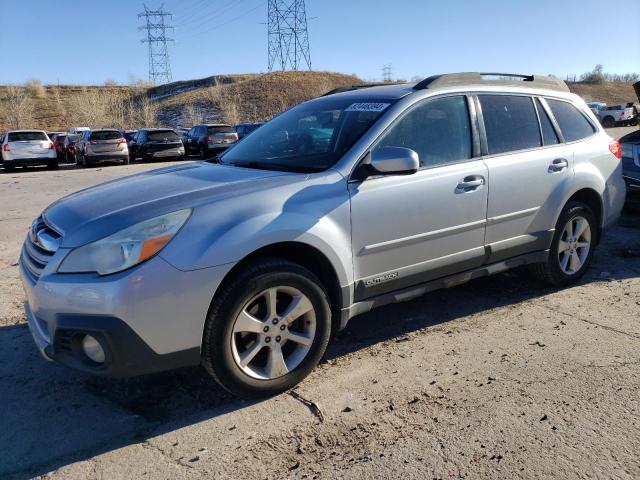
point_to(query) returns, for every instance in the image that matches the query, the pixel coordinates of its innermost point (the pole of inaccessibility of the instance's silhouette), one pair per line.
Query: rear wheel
(572, 247)
(8, 168)
(54, 165)
(608, 122)
(267, 329)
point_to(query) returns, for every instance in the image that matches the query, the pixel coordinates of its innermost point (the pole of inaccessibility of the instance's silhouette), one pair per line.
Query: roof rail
(356, 87)
(501, 79)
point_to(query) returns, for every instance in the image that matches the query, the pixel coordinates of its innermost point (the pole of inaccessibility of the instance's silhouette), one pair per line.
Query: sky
(92, 41)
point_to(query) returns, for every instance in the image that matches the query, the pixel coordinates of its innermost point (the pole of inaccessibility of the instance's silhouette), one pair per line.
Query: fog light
(92, 349)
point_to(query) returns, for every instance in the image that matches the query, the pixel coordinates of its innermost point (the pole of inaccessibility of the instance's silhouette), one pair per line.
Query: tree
(18, 107)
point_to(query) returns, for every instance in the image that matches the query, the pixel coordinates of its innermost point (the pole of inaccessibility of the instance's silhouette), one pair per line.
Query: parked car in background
(617, 115)
(102, 145)
(208, 140)
(128, 134)
(58, 144)
(28, 147)
(595, 107)
(244, 129)
(69, 147)
(79, 130)
(53, 134)
(631, 160)
(156, 144)
(249, 265)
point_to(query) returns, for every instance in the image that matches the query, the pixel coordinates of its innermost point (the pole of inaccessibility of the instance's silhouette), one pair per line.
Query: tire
(223, 345)
(552, 272)
(202, 153)
(608, 122)
(8, 168)
(53, 165)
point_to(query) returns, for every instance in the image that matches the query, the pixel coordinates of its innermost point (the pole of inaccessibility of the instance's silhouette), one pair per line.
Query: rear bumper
(30, 160)
(107, 156)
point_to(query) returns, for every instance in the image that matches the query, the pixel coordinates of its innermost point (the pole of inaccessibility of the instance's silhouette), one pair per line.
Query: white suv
(363, 197)
(27, 147)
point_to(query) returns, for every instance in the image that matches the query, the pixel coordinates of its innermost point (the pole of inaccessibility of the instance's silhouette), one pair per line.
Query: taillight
(122, 140)
(5, 148)
(616, 149)
(207, 138)
(51, 146)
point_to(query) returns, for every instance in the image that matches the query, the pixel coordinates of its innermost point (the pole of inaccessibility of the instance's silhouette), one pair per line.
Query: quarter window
(573, 124)
(549, 136)
(437, 130)
(510, 123)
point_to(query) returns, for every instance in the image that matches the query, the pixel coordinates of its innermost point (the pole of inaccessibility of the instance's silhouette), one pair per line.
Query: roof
(465, 79)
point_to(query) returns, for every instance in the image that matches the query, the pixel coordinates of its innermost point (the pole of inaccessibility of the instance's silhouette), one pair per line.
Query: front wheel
(267, 329)
(572, 247)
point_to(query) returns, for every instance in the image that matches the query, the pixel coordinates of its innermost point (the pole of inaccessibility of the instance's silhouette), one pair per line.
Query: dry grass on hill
(610, 93)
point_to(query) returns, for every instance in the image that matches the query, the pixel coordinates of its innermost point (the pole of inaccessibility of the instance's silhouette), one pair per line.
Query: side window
(510, 123)
(438, 130)
(573, 124)
(549, 136)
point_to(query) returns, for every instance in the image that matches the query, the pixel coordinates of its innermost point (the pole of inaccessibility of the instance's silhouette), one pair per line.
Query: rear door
(530, 170)
(407, 230)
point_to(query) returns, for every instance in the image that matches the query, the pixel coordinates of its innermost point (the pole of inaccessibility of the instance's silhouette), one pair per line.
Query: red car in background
(58, 144)
(69, 147)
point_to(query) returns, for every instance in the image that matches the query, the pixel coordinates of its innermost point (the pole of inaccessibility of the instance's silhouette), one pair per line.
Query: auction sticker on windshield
(367, 107)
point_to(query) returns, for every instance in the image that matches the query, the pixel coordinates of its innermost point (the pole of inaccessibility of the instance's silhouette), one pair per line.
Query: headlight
(126, 248)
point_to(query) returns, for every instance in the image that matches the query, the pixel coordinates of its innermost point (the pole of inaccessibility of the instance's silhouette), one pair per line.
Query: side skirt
(415, 291)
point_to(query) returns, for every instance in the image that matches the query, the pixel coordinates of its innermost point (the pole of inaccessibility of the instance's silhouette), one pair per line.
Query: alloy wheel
(273, 333)
(574, 245)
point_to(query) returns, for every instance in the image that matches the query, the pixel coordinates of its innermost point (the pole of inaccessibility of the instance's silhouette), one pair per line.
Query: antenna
(288, 42)
(159, 67)
(386, 74)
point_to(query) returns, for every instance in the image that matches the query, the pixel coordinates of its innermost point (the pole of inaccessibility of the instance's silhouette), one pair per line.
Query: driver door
(410, 229)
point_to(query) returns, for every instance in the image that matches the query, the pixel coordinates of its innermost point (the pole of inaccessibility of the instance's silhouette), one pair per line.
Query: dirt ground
(498, 378)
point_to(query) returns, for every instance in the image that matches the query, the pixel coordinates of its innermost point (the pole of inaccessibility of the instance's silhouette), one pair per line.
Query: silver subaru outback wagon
(363, 197)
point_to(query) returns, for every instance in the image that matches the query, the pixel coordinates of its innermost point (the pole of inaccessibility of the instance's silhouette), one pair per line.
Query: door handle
(470, 184)
(558, 165)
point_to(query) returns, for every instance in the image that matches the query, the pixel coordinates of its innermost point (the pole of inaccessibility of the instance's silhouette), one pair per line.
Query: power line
(222, 24)
(159, 66)
(288, 37)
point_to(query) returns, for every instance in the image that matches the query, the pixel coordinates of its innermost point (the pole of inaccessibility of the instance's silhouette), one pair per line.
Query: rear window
(159, 136)
(221, 129)
(26, 136)
(573, 124)
(105, 135)
(510, 122)
(60, 138)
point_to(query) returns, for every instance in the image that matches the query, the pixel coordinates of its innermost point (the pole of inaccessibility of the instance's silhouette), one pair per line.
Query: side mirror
(395, 161)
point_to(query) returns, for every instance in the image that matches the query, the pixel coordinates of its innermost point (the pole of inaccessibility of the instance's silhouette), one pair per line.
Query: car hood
(99, 211)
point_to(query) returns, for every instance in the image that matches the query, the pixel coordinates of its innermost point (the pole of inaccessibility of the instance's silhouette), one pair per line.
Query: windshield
(105, 135)
(220, 129)
(26, 136)
(310, 137)
(162, 135)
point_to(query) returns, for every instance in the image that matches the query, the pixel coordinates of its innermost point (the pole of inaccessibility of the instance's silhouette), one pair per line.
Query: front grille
(39, 246)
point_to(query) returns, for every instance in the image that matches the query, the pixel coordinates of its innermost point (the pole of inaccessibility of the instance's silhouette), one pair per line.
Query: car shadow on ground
(53, 416)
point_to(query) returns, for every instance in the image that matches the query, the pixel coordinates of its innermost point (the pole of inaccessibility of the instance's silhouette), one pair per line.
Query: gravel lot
(498, 378)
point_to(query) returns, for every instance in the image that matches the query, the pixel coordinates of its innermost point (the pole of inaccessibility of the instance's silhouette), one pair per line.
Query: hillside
(607, 92)
(228, 98)
(231, 98)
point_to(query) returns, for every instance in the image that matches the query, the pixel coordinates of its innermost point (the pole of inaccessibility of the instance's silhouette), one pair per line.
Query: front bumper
(149, 318)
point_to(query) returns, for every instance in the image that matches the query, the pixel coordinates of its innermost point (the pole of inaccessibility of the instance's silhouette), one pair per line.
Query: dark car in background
(69, 147)
(208, 140)
(244, 129)
(128, 134)
(156, 144)
(631, 160)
